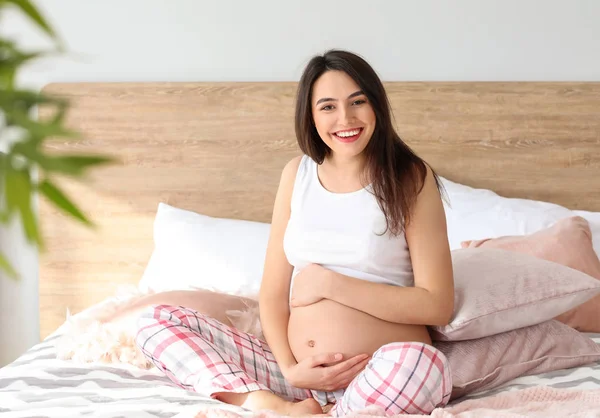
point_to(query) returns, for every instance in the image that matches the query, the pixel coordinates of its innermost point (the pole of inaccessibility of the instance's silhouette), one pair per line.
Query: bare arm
(275, 286)
(431, 300)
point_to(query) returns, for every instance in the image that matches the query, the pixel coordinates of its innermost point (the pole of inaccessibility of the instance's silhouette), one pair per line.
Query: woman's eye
(327, 107)
(359, 102)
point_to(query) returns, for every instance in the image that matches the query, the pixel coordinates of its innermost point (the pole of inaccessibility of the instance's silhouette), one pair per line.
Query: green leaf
(4, 217)
(6, 43)
(56, 196)
(32, 12)
(14, 61)
(39, 129)
(74, 165)
(5, 265)
(60, 114)
(7, 76)
(3, 164)
(11, 59)
(11, 55)
(25, 100)
(27, 148)
(18, 197)
(18, 107)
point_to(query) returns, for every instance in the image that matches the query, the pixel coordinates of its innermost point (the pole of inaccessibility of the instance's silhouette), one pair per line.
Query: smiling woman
(333, 226)
(357, 265)
(341, 118)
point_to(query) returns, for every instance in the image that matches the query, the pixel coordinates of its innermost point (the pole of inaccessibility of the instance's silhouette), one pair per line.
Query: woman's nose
(346, 115)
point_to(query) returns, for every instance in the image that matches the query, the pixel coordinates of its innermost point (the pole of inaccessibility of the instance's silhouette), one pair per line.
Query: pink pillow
(488, 362)
(497, 291)
(569, 243)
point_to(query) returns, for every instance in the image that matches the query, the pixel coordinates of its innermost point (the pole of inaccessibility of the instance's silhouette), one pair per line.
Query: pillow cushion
(486, 363)
(498, 291)
(569, 243)
(194, 251)
(473, 214)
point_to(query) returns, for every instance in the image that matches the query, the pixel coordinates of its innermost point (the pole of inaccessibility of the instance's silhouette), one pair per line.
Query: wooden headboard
(218, 149)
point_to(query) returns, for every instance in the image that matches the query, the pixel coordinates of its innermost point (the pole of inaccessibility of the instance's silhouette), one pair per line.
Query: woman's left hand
(309, 285)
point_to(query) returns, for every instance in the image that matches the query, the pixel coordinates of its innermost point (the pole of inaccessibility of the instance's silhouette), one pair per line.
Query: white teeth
(348, 133)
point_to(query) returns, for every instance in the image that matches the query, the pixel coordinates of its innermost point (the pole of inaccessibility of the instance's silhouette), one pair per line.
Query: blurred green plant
(25, 168)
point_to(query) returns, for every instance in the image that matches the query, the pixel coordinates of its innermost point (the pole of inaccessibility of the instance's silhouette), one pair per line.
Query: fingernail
(337, 356)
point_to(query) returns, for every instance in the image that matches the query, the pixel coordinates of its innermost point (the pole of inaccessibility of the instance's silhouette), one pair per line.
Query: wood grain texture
(218, 149)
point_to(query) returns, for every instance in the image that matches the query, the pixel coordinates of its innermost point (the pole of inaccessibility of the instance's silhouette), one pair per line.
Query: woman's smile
(348, 135)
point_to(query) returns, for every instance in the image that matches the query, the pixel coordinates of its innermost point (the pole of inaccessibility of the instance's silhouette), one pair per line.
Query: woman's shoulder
(292, 167)
(290, 170)
(293, 164)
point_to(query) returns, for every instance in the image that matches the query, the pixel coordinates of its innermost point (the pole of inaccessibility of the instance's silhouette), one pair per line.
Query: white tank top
(343, 232)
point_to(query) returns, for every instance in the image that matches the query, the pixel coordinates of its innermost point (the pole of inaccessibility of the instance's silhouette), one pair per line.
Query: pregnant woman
(357, 266)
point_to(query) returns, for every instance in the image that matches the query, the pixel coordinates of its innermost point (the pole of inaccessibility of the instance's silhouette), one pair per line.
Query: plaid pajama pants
(201, 354)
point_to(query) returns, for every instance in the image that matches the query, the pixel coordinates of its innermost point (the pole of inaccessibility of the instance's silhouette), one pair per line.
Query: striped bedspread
(39, 385)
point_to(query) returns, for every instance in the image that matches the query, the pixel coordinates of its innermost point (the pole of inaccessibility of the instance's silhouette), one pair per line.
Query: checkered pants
(201, 354)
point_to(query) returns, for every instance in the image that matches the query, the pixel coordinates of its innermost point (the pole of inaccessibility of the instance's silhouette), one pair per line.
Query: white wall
(198, 40)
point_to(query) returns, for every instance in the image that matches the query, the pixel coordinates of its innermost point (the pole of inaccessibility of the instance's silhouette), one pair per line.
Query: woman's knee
(156, 313)
(418, 373)
(149, 321)
(155, 318)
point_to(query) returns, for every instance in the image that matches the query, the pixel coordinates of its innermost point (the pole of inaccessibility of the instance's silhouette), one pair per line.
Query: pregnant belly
(329, 327)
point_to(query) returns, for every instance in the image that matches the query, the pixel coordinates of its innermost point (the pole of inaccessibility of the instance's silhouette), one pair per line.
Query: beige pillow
(486, 363)
(499, 290)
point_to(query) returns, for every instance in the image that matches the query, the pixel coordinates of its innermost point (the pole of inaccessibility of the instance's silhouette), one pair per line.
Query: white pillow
(227, 255)
(480, 213)
(194, 251)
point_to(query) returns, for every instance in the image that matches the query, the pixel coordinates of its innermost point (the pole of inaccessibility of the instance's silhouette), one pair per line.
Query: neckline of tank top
(344, 194)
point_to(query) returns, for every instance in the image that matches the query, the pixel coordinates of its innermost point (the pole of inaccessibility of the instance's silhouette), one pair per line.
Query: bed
(218, 149)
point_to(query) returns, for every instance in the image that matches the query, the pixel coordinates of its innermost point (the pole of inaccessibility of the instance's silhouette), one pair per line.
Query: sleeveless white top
(343, 232)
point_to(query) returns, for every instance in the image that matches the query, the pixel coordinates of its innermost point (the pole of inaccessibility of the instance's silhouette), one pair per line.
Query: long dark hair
(396, 173)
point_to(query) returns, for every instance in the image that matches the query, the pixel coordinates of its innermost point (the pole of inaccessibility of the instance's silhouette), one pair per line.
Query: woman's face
(343, 116)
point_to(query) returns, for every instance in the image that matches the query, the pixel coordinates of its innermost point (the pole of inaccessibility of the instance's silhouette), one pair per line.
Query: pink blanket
(538, 401)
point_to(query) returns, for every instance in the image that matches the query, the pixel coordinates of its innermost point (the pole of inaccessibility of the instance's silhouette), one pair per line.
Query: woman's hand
(309, 285)
(315, 373)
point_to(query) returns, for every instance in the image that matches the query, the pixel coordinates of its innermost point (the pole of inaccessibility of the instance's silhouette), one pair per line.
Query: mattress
(38, 384)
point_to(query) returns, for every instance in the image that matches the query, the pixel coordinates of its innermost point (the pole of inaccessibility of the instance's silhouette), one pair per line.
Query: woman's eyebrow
(329, 99)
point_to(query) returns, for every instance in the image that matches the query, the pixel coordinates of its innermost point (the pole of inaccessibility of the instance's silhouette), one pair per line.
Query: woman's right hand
(316, 373)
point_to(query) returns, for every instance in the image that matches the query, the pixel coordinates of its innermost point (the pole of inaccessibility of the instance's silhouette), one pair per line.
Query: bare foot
(327, 408)
(306, 407)
(264, 400)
